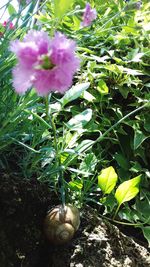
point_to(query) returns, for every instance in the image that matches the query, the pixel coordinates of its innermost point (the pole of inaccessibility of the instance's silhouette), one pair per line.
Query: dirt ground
(97, 243)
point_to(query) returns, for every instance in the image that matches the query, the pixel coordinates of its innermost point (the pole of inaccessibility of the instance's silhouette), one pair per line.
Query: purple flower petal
(89, 15)
(62, 49)
(22, 79)
(48, 64)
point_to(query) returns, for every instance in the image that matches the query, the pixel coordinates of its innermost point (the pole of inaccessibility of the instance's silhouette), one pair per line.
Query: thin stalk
(57, 160)
(116, 212)
(47, 107)
(58, 164)
(26, 146)
(120, 222)
(123, 223)
(38, 117)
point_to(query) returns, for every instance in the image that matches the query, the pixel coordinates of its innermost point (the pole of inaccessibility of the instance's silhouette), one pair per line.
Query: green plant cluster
(98, 136)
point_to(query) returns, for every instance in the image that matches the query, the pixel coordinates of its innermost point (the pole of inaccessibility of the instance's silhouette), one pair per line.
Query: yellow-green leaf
(102, 87)
(107, 180)
(61, 7)
(76, 185)
(127, 190)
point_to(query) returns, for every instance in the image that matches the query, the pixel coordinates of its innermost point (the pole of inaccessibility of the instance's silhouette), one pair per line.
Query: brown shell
(61, 223)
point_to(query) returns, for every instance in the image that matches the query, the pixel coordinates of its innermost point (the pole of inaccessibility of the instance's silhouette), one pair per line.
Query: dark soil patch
(23, 205)
(96, 244)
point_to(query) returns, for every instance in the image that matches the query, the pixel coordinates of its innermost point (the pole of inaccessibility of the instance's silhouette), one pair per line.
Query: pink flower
(48, 64)
(89, 15)
(11, 25)
(4, 23)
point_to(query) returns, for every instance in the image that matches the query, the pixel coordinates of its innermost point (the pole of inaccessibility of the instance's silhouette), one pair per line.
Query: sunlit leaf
(79, 121)
(88, 164)
(77, 22)
(11, 10)
(127, 190)
(107, 180)
(74, 93)
(71, 139)
(76, 185)
(137, 57)
(102, 87)
(61, 7)
(87, 96)
(84, 145)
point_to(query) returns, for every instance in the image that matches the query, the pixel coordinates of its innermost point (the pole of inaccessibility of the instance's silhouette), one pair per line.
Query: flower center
(44, 63)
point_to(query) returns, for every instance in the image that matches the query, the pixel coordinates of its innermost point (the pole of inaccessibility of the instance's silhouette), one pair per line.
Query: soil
(97, 243)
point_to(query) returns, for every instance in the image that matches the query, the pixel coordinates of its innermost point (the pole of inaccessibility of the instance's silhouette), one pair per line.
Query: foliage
(102, 121)
(107, 180)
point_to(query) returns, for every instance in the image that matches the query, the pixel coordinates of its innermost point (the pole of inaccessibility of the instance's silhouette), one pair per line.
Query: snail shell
(61, 223)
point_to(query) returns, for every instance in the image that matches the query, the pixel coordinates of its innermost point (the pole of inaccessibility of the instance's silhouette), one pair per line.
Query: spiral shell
(61, 223)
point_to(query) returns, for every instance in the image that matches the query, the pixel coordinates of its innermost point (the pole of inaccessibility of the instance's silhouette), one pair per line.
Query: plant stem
(57, 160)
(116, 212)
(47, 107)
(123, 223)
(38, 117)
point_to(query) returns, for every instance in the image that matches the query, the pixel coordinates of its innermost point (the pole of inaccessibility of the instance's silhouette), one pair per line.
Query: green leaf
(146, 233)
(139, 138)
(132, 71)
(122, 161)
(88, 164)
(88, 96)
(79, 121)
(74, 93)
(11, 10)
(102, 87)
(135, 56)
(124, 90)
(147, 122)
(127, 190)
(107, 180)
(84, 146)
(71, 139)
(143, 208)
(61, 7)
(109, 202)
(136, 167)
(76, 24)
(76, 185)
(126, 214)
